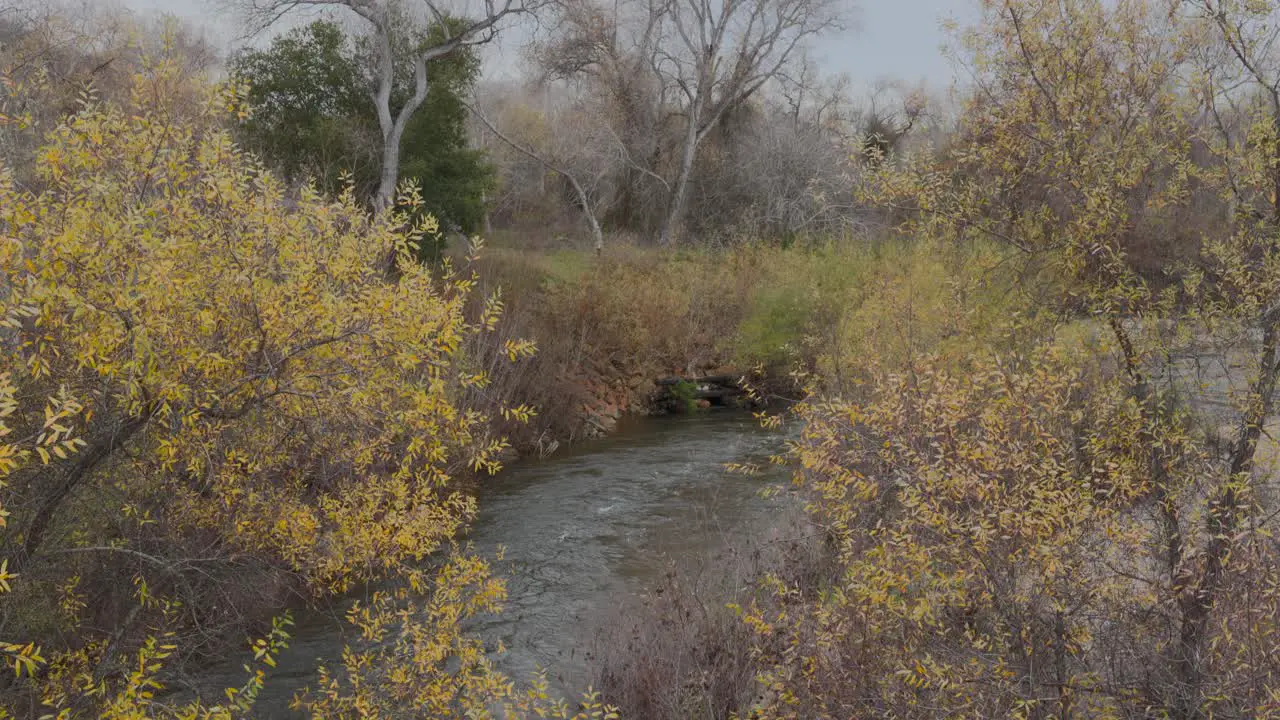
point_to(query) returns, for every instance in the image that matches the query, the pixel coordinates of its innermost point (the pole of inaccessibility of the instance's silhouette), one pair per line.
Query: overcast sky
(899, 39)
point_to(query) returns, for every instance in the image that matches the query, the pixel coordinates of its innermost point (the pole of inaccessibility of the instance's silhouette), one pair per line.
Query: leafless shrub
(680, 652)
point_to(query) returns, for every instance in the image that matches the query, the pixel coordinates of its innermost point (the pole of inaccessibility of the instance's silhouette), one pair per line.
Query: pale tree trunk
(597, 235)
(390, 170)
(680, 189)
(393, 126)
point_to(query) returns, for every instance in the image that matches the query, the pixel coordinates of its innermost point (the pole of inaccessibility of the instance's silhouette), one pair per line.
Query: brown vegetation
(681, 650)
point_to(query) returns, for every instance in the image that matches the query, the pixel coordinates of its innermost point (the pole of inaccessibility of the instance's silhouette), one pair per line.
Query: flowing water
(584, 530)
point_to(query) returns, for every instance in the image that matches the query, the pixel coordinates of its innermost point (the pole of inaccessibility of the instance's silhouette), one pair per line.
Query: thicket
(1047, 478)
(214, 395)
(608, 325)
(1062, 522)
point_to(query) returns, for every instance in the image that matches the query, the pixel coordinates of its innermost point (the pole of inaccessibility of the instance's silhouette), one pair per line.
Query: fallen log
(731, 380)
(716, 393)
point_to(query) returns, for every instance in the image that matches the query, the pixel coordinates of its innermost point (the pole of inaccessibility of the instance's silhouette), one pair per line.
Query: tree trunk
(597, 235)
(86, 462)
(393, 133)
(1224, 517)
(390, 169)
(675, 210)
(393, 126)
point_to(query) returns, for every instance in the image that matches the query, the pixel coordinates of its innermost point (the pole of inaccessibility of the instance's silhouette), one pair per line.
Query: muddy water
(584, 530)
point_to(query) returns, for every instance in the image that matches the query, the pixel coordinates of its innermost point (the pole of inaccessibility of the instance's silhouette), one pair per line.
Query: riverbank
(607, 329)
(607, 326)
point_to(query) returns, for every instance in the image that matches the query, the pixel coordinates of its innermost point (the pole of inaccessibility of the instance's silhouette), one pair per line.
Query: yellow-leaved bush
(214, 388)
(415, 659)
(275, 386)
(1054, 527)
(986, 557)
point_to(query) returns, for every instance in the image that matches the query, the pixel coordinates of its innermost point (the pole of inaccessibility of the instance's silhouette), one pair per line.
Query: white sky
(900, 39)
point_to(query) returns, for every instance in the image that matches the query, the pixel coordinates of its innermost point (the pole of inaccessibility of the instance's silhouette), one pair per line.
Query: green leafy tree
(308, 106)
(311, 117)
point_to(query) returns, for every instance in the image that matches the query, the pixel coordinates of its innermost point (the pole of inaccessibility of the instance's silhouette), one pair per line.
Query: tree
(239, 402)
(309, 112)
(590, 200)
(681, 68)
(721, 54)
(311, 117)
(453, 177)
(615, 54)
(395, 56)
(781, 172)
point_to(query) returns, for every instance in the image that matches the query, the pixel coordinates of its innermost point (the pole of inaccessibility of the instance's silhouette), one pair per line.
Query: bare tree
(889, 114)
(811, 97)
(588, 201)
(675, 68)
(384, 18)
(611, 55)
(783, 175)
(721, 53)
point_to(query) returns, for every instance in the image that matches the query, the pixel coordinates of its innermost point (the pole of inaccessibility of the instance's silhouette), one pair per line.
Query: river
(584, 530)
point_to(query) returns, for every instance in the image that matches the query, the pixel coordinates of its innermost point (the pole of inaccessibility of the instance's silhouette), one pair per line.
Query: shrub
(681, 650)
(238, 399)
(1037, 529)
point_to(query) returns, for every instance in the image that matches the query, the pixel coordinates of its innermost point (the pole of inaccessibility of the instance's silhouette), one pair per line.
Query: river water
(583, 531)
